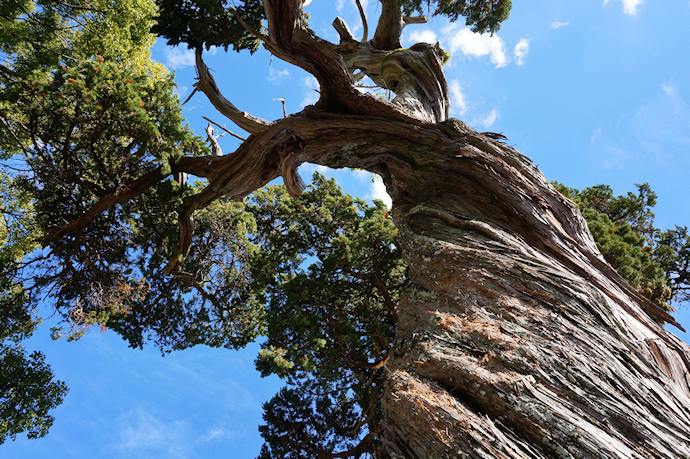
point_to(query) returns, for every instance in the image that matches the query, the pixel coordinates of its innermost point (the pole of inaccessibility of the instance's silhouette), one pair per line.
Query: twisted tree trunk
(517, 339)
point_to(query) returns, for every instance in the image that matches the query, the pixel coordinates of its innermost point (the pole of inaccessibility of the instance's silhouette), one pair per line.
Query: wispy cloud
(663, 125)
(489, 119)
(222, 433)
(458, 102)
(629, 6)
(475, 44)
(558, 24)
(311, 96)
(276, 76)
(421, 35)
(178, 57)
(521, 50)
(140, 431)
(378, 191)
(656, 135)
(669, 89)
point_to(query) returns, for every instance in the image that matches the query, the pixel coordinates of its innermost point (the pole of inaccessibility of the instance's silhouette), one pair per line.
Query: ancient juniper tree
(513, 337)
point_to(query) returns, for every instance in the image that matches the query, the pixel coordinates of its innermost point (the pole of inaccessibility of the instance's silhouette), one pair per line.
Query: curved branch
(365, 33)
(362, 447)
(207, 85)
(415, 75)
(291, 40)
(129, 191)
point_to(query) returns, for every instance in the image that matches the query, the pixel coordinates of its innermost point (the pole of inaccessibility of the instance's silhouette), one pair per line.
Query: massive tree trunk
(515, 337)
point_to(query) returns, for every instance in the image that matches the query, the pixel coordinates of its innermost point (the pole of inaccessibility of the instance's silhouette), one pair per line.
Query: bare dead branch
(415, 20)
(282, 101)
(225, 129)
(213, 139)
(207, 85)
(343, 30)
(190, 96)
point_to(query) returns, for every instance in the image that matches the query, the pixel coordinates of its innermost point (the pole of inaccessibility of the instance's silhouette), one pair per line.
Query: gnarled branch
(207, 85)
(291, 40)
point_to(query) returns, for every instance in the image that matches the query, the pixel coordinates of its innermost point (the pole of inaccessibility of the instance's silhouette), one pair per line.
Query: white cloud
(475, 44)
(558, 24)
(489, 119)
(361, 174)
(140, 431)
(276, 76)
(378, 191)
(311, 96)
(419, 35)
(629, 6)
(220, 433)
(669, 89)
(458, 103)
(521, 50)
(177, 57)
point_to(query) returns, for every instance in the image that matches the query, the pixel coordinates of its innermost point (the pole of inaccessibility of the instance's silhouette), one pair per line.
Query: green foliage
(623, 228)
(16, 239)
(27, 393)
(481, 15)
(27, 388)
(213, 22)
(209, 23)
(332, 276)
(672, 252)
(210, 302)
(42, 33)
(120, 30)
(84, 107)
(96, 127)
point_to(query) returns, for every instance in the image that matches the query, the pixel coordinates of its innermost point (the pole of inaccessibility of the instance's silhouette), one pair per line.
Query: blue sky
(592, 91)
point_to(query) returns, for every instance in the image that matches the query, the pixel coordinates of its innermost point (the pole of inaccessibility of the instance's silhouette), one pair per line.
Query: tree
(53, 67)
(28, 389)
(513, 337)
